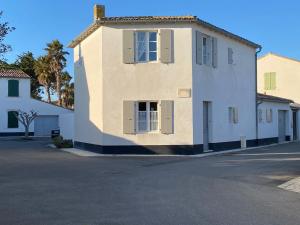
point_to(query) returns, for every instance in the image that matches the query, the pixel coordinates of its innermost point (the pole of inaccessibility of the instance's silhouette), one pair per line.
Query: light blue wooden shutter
(230, 56)
(214, 52)
(166, 46)
(128, 46)
(199, 46)
(167, 117)
(129, 117)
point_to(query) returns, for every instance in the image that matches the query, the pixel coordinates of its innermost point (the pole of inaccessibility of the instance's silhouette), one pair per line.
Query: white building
(173, 84)
(274, 119)
(14, 96)
(280, 76)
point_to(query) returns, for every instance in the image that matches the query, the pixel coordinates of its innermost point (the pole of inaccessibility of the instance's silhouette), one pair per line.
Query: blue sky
(273, 24)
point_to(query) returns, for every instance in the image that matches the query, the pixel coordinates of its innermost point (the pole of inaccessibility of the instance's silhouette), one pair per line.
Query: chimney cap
(99, 11)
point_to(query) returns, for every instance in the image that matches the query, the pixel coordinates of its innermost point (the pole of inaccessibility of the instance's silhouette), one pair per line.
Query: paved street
(40, 185)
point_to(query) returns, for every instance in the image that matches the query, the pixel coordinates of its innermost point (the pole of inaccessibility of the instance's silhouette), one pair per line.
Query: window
(230, 56)
(147, 114)
(12, 121)
(233, 115)
(13, 88)
(146, 46)
(207, 50)
(270, 81)
(269, 115)
(260, 115)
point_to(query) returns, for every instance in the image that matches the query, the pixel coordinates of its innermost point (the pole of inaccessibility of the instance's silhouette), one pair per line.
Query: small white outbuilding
(15, 95)
(275, 119)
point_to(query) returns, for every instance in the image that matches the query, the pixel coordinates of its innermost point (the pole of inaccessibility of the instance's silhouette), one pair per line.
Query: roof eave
(194, 19)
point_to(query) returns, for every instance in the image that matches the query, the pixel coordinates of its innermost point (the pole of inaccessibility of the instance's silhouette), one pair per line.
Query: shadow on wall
(88, 129)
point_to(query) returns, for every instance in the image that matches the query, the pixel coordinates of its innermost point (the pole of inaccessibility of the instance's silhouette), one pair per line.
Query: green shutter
(12, 121)
(267, 81)
(13, 88)
(272, 81)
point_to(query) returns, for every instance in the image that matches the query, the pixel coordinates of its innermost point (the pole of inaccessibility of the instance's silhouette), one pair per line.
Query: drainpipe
(256, 103)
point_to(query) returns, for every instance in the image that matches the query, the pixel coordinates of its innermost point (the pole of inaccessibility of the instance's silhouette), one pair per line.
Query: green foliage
(4, 30)
(26, 63)
(44, 75)
(56, 55)
(59, 142)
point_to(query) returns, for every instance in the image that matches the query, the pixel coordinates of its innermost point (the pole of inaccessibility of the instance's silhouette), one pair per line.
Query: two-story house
(14, 96)
(163, 84)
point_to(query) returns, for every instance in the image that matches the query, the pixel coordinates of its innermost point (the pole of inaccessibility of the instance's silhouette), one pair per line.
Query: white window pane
(141, 36)
(152, 46)
(153, 121)
(142, 121)
(152, 36)
(153, 106)
(141, 51)
(152, 56)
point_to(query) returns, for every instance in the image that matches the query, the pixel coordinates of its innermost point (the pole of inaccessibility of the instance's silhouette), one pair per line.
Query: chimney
(99, 12)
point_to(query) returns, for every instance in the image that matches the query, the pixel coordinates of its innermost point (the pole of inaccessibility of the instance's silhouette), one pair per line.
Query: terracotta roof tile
(157, 20)
(13, 74)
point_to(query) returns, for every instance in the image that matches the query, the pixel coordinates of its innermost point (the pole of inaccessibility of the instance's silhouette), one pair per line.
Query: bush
(59, 142)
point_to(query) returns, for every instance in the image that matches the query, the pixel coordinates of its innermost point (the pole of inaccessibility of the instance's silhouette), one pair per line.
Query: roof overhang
(158, 20)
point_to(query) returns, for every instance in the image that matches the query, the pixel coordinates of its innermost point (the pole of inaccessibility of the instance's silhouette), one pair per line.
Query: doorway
(295, 125)
(281, 125)
(206, 125)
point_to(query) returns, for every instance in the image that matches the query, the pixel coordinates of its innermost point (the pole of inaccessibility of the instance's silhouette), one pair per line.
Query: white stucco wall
(66, 126)
(103, 82)
(225, 86)
(270, 130)
(287, 76)
(88, 123)
(25, 103)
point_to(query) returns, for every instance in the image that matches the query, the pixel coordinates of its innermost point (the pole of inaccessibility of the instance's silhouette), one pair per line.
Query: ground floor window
(12, 121)
(147, 116)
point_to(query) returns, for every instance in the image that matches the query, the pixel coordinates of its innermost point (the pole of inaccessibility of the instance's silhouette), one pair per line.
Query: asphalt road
(40, 185)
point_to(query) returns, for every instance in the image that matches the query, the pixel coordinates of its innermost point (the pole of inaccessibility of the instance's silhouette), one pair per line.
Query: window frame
(148, 120)
(147, 51)
(207, 50)
(8, 124)
(233, 115)
(8, 88)
(269, 115)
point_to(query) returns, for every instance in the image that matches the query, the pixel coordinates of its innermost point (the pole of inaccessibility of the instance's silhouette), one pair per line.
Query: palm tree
(58, 61)
(44, 74)
(68, 95)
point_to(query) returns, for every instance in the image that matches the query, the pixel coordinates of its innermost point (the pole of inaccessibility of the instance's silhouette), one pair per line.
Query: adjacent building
(280, 76)
(14, 96)
(171, 84)
(275, 118)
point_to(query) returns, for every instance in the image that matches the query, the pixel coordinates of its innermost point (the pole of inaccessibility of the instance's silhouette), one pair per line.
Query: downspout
(256, 102)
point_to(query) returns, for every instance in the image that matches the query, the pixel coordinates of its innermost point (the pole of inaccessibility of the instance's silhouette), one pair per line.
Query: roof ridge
(281, 56)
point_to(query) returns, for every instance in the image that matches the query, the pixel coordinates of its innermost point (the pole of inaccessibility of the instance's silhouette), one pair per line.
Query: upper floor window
(207, 50)
(146, 46)
(230, 56)
(270, 81)
(13, 88)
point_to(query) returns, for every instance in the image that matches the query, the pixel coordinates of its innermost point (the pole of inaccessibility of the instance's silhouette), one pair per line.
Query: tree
(4, 30)
(26, 63)
(26, 119)
(58, 61)
(68, 95)
(44, 74)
